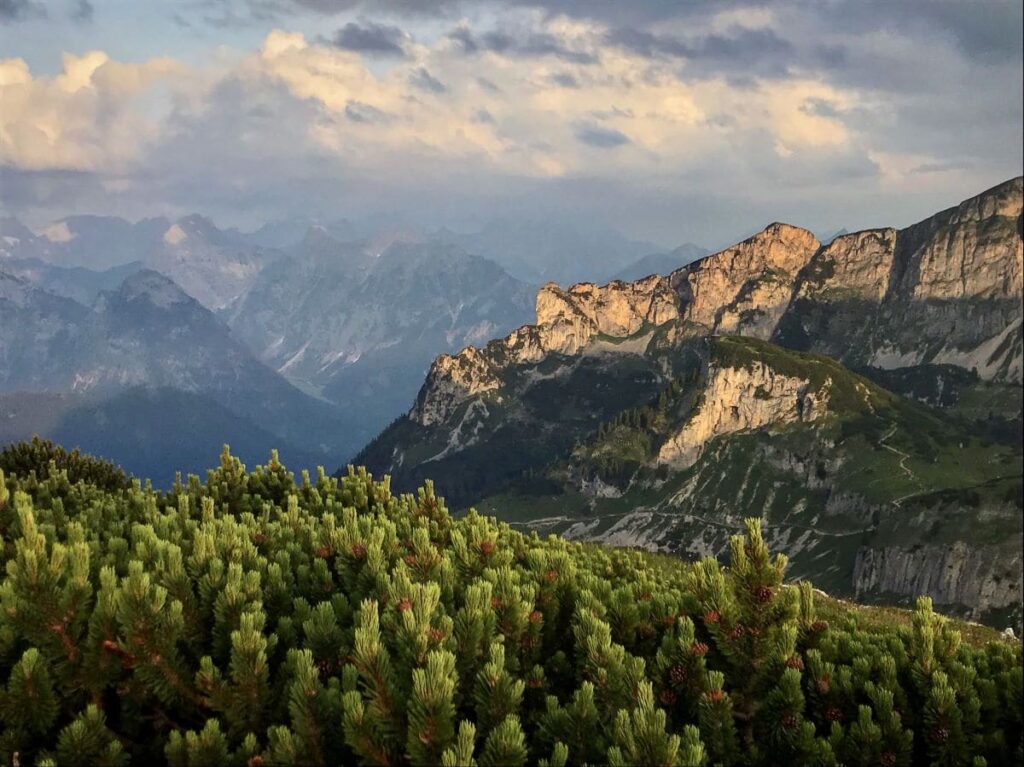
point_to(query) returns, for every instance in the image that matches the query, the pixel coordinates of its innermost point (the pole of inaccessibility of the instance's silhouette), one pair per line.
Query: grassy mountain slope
(874, 494)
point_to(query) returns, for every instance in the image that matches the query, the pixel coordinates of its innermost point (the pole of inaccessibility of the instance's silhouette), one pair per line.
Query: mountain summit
(646, 425)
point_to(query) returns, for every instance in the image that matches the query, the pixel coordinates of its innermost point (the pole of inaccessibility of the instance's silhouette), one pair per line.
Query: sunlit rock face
(745, 289)
(946, 290)
(741, 399)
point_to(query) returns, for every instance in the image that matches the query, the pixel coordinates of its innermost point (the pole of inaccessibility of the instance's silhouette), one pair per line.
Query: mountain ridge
(492, 420)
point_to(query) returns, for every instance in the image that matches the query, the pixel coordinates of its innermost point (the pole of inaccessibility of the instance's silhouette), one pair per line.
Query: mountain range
(863, 396)
(302, 336)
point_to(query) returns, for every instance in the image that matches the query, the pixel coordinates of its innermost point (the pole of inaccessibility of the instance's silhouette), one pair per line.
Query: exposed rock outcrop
(945, 290)
(958, 574)
(742, 399)
(745, 289)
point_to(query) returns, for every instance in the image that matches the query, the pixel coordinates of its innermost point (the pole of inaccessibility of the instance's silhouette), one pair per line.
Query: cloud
(82, 11)
(819, 108)
(600, 137)
(84, 118)
(519, 43)
(761, 51)
(364, 113)
(940, 167)
(425, 81)
(709, 111)
(16, 10)
(371, 39)
(564, 80)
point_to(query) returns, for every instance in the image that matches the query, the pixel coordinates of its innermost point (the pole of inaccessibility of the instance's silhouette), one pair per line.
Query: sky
(670, 120)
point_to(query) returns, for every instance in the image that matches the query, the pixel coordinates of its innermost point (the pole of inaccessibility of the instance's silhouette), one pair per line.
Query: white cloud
(526, 102)
(96, 115)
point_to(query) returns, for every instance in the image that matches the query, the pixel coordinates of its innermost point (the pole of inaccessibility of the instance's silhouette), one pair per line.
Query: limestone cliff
(980, 579)
(742, 399)
(945, 291)
(567, 321)
(745, 289)
(741, 290)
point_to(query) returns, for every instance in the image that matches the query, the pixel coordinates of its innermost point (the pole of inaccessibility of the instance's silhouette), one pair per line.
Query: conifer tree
(257, 619)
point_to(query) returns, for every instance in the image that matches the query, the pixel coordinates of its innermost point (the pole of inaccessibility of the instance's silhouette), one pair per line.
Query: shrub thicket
(256, 620)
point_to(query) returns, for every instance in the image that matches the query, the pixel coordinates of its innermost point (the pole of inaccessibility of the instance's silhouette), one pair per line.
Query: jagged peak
(152, 286)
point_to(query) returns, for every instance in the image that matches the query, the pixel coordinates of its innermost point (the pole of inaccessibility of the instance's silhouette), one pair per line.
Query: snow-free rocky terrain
(863, 396)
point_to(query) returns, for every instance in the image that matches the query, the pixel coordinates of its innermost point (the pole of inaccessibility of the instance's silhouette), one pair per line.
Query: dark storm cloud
(600, 137)
(370, 38)
(425, 81)
(520, 44)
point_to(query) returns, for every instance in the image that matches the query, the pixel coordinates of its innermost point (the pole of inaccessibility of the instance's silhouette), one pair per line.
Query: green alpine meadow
(258, 619)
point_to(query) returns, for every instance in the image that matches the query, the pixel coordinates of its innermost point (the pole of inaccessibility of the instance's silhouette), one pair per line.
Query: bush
(256, 620)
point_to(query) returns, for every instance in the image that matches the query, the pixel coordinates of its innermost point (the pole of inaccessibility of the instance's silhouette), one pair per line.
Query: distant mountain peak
(59, 232)
(153, 287)
(175, 235)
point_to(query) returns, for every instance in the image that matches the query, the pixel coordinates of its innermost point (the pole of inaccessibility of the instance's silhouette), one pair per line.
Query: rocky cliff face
(978, 579)
(945, 291)
(660, 412)
(745, 289)
(739, 399)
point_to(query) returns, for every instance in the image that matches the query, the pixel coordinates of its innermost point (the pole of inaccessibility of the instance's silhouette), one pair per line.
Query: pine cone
(789, 721)
(795, 662)
(888, 759)
(404, 604)
(940, 734)
(833, 714)
(715, 695)
(699, 649)
(763, 594)
(677, 674)
(358, 550)
(536, 616)
(487, 548)
(712, 616)
(667, 697)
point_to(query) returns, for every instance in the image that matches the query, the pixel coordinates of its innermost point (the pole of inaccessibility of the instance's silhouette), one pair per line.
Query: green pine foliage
(255, 619)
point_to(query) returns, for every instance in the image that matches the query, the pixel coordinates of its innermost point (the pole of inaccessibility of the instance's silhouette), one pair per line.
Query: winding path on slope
(902, 464)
